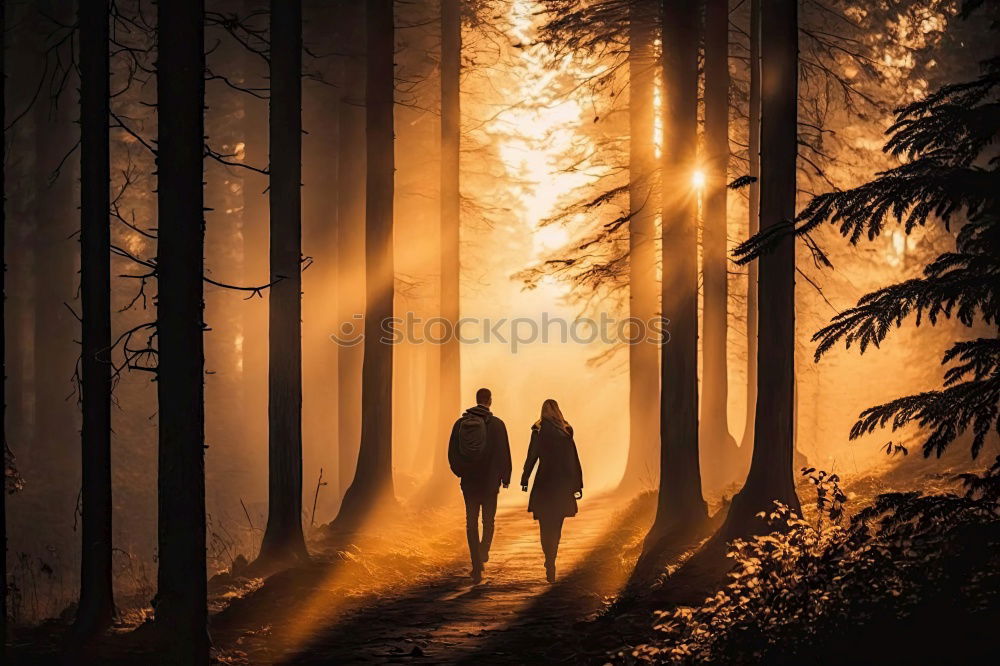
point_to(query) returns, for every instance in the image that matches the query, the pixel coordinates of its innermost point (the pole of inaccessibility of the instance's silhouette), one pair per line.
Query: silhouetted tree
(351, 161)
(449, 399)
(54, 226)
(320, 192)
(948, 141)
(96, 609)
(283, 539)
(718, 448)
(753, 212)
(680, 506)
(180, 604)
(3, 322)
(770, 476)
(373, 476)
(599, 29)
(644, 204)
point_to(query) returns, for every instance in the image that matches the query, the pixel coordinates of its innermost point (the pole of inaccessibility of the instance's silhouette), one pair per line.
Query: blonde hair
(551, 411)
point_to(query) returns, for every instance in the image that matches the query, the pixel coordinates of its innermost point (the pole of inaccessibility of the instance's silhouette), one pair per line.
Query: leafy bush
(920, 566)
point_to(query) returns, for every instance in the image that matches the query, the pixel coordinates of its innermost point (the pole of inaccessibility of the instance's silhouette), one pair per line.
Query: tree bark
(373, 476)
(450, 368)
(680, 505)
(770, 477)
(3, 328)
(746, 443)
(351, 239)
(283, 538)
(55, 328)
(719, 455)
(321, 292)
(96, 609)
(181, 606)
(643, 357)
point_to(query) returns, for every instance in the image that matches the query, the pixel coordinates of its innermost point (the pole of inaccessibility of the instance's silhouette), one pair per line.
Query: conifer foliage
(949, 177)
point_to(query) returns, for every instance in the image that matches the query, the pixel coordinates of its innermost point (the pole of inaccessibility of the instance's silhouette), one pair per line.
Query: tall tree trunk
(55, 329)
(3, 327)
(181, 605)
(373, 476)
(643, 357)
(319, 240)
(753, 129)
(770, 477)
(680, 506)
(283, 539)
(351, 240)
(449, 391)
(19, 302)
(96, 608)
(719, 455)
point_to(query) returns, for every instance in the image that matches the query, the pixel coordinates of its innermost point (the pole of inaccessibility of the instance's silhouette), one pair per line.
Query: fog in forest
(546, 133)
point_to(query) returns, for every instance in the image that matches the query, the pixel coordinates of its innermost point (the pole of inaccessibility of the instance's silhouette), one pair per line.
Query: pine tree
(770, 476)
(3, 337)
(350, 237)
(373, 475)
(769, 479)
(450, 368)
(643, 191)
(96, 609)
(320, 232)
(182, 586)
(753, 214)
(951, 172)
(283, 539)
(680, 506)
(719, 456)
(55, 328)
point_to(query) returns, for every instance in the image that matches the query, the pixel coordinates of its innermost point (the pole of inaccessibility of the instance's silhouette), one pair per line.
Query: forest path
(513, 616)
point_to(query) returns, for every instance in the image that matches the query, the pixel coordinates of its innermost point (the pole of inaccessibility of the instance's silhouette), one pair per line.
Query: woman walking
(558, 483)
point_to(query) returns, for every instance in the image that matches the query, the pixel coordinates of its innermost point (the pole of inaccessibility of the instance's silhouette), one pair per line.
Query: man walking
(479, 454)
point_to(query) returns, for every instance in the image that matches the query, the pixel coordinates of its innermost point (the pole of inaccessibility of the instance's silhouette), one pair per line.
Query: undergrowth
(911, 577)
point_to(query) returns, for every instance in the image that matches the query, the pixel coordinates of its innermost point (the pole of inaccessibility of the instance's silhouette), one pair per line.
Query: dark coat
(559, 473)
(495, 466)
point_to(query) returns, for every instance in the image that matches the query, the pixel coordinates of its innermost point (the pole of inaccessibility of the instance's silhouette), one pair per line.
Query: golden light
(550, 237)
(539, 120)
(698, 179)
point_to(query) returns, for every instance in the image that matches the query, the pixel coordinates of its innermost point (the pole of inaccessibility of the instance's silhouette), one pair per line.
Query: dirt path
(513, 616)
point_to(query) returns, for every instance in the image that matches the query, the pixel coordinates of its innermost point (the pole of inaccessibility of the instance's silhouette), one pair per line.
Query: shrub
(808, 593)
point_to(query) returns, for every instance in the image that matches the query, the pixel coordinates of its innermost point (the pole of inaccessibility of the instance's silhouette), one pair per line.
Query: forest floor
(398, 591)
(415, 603)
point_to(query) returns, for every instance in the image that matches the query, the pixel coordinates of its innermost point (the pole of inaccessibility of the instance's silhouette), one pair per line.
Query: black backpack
(472, 442)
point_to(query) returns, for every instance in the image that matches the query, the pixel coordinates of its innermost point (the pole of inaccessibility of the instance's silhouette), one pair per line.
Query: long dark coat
(559, 473)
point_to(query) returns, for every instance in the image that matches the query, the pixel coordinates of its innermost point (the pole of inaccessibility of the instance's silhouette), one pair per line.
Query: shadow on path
(513, 617)
(553, 627)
